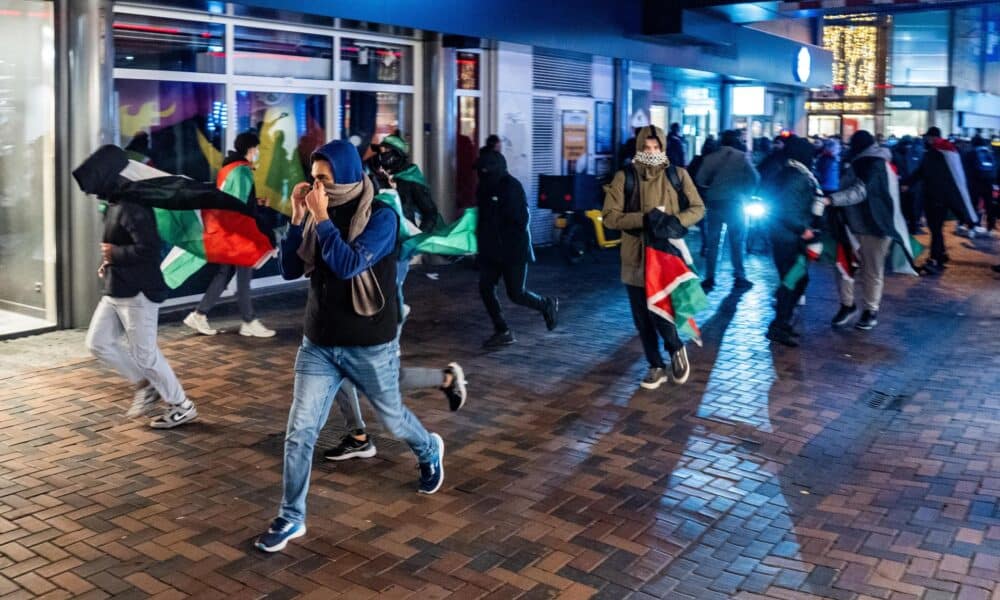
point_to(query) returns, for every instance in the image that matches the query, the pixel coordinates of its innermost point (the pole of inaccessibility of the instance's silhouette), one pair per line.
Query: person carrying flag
(944, 189)
(648, 185)
(345, 242)
(868, 221)
(414, 193)
(790, 190)
(236, 179)
(123, 330)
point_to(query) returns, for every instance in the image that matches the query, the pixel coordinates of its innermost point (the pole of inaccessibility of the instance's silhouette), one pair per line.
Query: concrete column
(85, 115)
(440, 128)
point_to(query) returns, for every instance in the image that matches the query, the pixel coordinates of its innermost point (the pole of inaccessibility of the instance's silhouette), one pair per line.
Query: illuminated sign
(803, 65)
(748, 100)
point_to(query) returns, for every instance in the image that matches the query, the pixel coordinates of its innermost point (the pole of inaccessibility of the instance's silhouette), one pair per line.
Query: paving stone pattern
(769, 475)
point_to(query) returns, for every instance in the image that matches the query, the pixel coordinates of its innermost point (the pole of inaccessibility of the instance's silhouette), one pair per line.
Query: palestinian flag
(673, 289)
(960, 202)
(203, 224)
(457, 239)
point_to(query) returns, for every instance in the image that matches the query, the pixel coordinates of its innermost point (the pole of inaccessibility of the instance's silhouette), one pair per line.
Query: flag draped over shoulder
(204, 224)
(456, 239)
(963, 209)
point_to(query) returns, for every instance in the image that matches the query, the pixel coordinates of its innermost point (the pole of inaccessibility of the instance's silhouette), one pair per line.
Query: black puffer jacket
(502, 229)
(789, 193)
(135, 260)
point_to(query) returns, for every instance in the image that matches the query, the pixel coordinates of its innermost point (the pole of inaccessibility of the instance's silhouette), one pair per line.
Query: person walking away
(505, 247)
(647, 185)
(981, 173)
(728, 178)
(791, 191)
(942, 178)
(123, 330)
(828, 166)
(675, 146)
(236, 179)
(347, 248)
(711, 145)
(869, 219)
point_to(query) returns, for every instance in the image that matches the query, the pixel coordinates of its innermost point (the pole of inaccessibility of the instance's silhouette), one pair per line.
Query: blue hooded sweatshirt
(345, 259)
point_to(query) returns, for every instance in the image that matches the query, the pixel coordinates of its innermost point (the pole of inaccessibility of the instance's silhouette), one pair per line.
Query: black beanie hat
(799, 149)
(245, 141)
(861, 141)
(933, 132)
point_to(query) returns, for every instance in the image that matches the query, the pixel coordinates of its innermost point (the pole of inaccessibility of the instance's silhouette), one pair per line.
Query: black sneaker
(551, 313)
(680, 368)
(708, 285)
(456, 391)
(500, 339)
(844, 315)
(783, 335)
(654, 378)
(868, 321)
(742, 284)
(349, 447)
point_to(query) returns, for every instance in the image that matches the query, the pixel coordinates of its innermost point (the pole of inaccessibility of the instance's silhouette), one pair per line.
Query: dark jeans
(981, 194)
(515, 279)
(735, 222)
(936, 214)
(786, 252)
(651, 328)
(218, 285)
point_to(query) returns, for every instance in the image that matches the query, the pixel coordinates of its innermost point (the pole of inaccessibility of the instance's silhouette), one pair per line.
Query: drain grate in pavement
(885, 400)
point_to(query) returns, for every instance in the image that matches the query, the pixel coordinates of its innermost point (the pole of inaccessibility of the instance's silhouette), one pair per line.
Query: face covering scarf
(652, 159)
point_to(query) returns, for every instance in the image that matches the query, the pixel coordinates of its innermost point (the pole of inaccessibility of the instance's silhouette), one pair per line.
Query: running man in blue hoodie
(344, 241)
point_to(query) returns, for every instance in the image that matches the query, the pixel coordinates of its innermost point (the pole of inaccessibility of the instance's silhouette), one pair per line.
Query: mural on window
(178, 127)
(290, 127)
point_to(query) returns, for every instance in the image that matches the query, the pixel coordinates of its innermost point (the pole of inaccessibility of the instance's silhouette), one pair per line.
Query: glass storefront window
(143, 42)
(290, 127)
(282, 16)
(367, 117)
(27, 162)
(176, 126)
(906, 122)
(271, 53)
(376, 28)
(824, 126)
(375, 62)
(466, 151)
(467, 65)
(919, 51)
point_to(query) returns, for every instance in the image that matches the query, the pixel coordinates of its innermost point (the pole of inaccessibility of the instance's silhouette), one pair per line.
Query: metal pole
(84, 120)
(441, 127)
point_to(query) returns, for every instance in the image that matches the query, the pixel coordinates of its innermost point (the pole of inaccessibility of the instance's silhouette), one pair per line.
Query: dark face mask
(391, 161)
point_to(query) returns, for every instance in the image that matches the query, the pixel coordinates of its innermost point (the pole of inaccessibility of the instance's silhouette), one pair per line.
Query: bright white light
(754, 210)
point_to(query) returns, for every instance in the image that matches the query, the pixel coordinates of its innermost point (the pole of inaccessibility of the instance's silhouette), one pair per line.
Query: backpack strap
(675, 180)
(631, 199)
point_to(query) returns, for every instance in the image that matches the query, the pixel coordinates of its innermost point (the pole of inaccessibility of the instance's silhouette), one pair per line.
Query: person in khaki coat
(652, 191)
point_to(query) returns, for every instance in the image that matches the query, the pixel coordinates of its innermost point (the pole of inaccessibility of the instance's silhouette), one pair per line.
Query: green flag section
(179, 265)
(412, 174)
(456, 239)
(673, 289)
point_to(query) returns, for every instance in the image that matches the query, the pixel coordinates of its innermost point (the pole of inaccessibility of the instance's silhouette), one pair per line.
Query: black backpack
(985, 163)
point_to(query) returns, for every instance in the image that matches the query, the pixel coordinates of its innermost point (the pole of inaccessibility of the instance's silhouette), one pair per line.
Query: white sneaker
(143, 400)
(199, 323)
(802, 300)
(176, 414)
(256, 329)
(981, 231)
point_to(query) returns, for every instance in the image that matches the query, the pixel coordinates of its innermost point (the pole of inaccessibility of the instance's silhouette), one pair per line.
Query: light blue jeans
(319, 373)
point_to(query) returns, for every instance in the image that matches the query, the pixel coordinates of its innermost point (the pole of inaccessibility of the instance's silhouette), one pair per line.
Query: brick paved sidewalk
(858, 466)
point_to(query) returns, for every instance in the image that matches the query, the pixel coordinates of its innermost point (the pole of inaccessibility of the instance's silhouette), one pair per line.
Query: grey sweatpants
(410, 379)
(872, 254)
(122, 335)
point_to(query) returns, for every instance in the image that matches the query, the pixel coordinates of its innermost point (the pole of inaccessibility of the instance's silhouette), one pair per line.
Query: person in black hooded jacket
(790, 189)
(505, 246)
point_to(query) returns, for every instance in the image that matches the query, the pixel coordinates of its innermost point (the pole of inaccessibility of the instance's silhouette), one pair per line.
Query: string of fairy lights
(854, 44)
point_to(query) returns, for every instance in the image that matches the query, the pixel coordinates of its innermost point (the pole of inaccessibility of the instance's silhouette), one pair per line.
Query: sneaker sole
(280, 546)
(865, 328)
(369, 453)
(199, 330)
(652, 386)
(844, 322)
(268, 335)
(440, 443)
(192, 416)
(459, 375)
